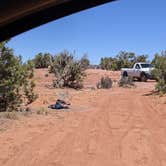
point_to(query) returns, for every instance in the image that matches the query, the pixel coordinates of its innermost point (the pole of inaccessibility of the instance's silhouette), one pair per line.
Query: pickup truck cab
(142, 71)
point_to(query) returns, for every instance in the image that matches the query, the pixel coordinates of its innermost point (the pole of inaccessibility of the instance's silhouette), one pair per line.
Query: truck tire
(125, 74)
(143, 77)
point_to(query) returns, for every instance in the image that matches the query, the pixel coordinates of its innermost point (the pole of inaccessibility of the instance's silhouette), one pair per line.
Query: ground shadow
(152, 93)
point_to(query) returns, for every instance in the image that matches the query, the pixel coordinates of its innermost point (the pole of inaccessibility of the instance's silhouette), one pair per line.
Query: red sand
(116, 127)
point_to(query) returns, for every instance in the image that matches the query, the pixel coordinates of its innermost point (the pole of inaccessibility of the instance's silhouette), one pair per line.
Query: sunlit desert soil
(116, 127)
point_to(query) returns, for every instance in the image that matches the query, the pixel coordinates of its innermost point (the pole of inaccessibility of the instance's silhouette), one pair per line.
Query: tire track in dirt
(38, 146)
(85, 145)
(157, 127)
(137, 136)
(122, 129)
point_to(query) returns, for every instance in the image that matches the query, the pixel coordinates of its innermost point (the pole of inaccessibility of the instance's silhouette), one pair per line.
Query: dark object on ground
(60, 104)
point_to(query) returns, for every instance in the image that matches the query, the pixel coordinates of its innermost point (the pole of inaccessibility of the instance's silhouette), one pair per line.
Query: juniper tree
(85, 62)
(15, 80)
(42, 60)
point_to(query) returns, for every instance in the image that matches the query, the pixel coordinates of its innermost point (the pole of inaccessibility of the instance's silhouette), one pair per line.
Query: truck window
(137, 66)
(146, 65)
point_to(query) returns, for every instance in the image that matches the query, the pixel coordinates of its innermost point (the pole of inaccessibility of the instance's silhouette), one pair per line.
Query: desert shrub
(14, 80)
(29, 84)
(126, 59)
(68, 71)
(141, 58)
(126, 82)
(42, 60)
(109, 63)
(104, 83)
(85, 63)
(160, 72)
(122, 60)
(29, 92)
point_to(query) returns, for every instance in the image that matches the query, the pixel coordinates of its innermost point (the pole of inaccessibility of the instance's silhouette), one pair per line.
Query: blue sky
(131, 25)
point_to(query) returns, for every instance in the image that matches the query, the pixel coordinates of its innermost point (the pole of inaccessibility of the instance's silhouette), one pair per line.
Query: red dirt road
(118, 127)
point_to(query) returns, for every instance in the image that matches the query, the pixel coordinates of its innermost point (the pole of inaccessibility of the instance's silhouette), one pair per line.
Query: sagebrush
(126, 82)
(68, 71)
(105, 83)
(160, 71)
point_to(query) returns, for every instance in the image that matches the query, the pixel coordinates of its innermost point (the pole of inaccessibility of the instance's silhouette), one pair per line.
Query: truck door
(137, 70)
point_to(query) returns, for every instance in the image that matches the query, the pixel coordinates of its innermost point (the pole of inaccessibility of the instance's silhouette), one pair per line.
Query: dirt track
(122, 127)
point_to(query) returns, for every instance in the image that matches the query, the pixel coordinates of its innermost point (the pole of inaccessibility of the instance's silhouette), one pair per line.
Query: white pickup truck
(142, 71)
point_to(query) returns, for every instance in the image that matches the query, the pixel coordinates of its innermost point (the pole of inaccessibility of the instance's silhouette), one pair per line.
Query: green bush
(122, 60)
(68, 71)
(104, 83)
(85, 63)
(109, 63)
(160, 71)
(15, 80)
(42, 60)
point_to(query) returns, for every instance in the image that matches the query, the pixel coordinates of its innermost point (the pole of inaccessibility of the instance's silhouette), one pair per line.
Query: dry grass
(42, 111)
(10, 115)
